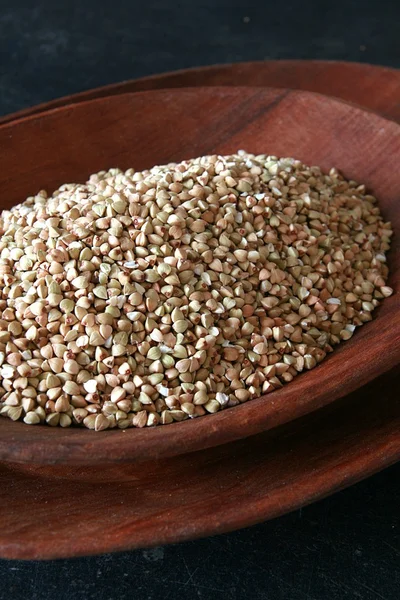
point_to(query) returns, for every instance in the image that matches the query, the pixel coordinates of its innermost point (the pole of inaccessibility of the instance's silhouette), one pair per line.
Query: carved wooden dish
(228, 486)
(67, 144)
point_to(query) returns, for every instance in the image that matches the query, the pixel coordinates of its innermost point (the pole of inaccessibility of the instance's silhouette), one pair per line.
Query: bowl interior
(140, 130)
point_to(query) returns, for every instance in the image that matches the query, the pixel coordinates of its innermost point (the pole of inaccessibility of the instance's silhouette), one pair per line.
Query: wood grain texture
(60, 511)
(143, 129)
(377, 88)
(360, 438)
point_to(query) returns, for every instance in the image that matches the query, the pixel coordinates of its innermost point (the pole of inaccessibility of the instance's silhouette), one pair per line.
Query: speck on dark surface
(346, 547)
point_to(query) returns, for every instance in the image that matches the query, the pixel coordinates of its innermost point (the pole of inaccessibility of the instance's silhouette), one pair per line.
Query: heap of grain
(142, 298)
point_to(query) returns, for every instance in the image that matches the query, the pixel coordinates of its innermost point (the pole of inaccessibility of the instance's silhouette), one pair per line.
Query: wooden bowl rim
(194, 90)
(109, 89)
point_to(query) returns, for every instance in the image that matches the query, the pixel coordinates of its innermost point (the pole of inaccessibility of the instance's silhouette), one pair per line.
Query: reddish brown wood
(50, 512)
(155, 127)
(377, 88)
(371, 442)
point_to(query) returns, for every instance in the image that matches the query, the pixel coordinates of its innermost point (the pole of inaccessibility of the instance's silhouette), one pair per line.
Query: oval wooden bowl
(143, 129)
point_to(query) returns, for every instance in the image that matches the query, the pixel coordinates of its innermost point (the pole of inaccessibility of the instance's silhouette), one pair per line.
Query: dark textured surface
(50, 49)
(343, 548)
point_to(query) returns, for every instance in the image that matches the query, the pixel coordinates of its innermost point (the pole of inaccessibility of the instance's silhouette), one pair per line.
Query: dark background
(345, 547)
(50, 48)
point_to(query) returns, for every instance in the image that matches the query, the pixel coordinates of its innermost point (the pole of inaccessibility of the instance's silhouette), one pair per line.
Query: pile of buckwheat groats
(142, 298)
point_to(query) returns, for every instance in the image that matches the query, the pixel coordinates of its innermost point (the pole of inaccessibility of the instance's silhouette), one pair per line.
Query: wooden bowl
(143, 129)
